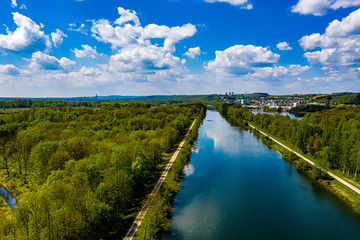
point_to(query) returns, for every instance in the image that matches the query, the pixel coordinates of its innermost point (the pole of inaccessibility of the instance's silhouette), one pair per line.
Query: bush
(303, 166)
(319, 174)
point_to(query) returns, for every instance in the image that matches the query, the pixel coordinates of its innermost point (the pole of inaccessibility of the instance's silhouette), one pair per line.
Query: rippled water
(236, 188)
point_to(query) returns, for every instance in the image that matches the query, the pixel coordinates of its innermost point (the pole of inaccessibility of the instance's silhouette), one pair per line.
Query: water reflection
(189, 170)
(243, 190)
(292, 116)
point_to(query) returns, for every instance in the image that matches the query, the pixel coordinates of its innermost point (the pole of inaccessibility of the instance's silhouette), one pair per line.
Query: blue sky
(58, 48)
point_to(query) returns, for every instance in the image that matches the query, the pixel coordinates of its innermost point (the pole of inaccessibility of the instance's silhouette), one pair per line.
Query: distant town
(286, 102)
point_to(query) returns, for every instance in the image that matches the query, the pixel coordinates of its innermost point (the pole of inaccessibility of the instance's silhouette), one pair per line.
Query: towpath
(139, 218)
(352, 187)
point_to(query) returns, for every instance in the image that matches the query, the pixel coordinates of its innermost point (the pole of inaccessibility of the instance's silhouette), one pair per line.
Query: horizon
(165, 95)
(177, 47)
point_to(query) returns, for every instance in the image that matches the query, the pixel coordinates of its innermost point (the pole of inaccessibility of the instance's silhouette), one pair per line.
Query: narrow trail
(139, 218)
(352, 187)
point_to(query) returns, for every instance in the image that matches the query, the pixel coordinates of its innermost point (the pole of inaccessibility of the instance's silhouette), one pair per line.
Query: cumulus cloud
(57, 37)
(135, 52)
(87, 51)
(42, 61)
(321, 7)
(284, 46)
(242, 59)
(9, 69)
(280, 71)
(127, 31)
(86, 71)
(172, 35)
(244, 3)
(193, 52)
(127, 16)
(339, 45)
(144, 58)
(28, 36)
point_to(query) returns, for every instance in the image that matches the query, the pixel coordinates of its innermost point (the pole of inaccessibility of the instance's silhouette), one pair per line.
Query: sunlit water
(236, 188)
(292, 116)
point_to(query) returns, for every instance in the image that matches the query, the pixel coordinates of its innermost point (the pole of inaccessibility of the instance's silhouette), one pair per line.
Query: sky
(65, 48)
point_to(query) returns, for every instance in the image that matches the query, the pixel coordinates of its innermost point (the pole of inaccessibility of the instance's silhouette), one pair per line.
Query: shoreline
(343, 192)
(151, 198)
(157, 219)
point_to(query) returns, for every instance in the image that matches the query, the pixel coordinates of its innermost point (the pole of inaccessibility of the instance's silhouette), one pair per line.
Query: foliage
(303, 166)
(331, 136)
(79, 173)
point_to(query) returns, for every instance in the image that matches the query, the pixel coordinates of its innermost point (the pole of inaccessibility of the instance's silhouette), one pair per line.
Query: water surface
(236, 188)
(292, 116)
(11, 201)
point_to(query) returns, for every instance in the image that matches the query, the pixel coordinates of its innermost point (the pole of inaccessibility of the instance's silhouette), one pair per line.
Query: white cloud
(284, 46)
(87, 51)
(146, 59)
(27, 37)
(124, 33)
(57, 37)
(280, 71)
(330, 56)
(233, 2)
(172, 35)
(9, 69)
(127, 16)
(321, 7)
(193, 52)
(81, 29)
(42, 61)
(86, 71)
(339, 45)
(13, 3)
(241, 60)
(136, 55)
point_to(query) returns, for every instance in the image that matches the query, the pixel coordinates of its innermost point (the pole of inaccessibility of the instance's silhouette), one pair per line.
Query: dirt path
(352, 187)
(134, 227)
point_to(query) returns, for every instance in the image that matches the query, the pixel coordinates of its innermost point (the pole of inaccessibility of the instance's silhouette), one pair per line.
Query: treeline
(305, 108)
(28, 103)
(158, 215)
(81, 173)
(331, 136)
(346, 98)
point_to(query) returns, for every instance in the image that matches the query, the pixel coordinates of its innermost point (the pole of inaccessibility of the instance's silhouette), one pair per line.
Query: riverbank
(337, 185)
(155, 213)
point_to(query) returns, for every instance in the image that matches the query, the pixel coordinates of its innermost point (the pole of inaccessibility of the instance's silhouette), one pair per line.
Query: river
(292, 116)
(237, 188)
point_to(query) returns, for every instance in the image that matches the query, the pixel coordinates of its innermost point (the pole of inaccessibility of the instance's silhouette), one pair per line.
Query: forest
(28, 103)
(330, 136)
(81, 173)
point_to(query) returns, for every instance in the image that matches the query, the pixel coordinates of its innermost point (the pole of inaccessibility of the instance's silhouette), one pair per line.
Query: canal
(237, 188)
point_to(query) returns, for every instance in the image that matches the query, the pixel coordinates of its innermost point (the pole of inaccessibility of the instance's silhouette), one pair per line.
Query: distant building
(243, 101)
(272, 104)
(296, 104)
